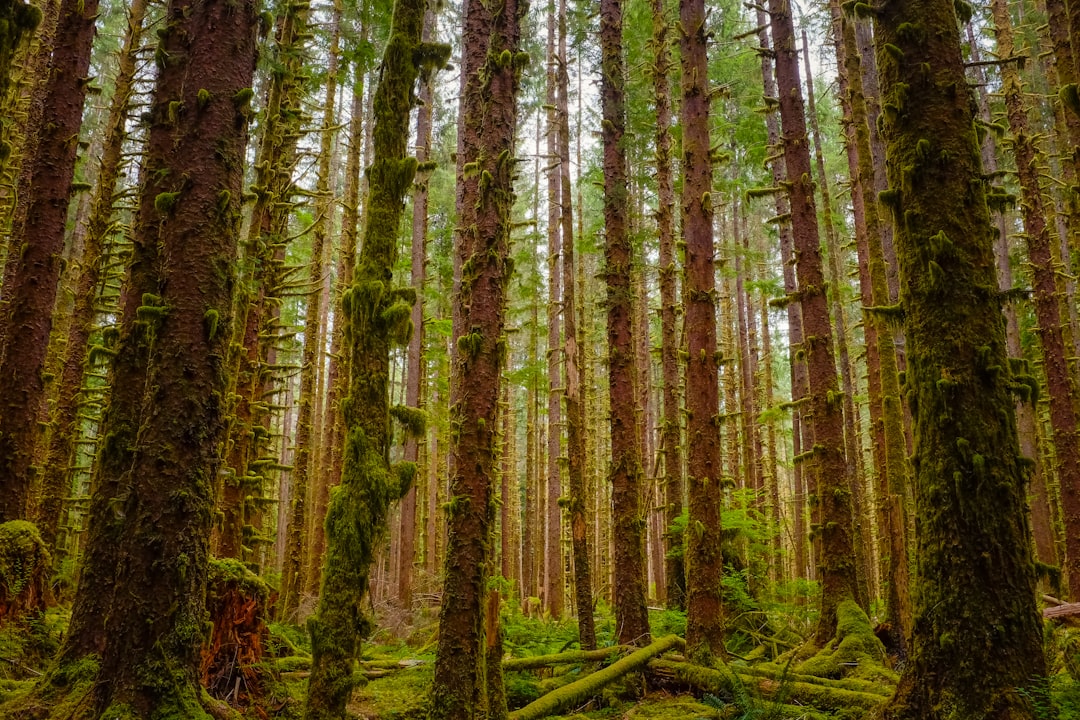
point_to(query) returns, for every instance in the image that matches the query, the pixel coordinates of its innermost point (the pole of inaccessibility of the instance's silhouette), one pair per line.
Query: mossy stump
(24, 571)
(238, 603)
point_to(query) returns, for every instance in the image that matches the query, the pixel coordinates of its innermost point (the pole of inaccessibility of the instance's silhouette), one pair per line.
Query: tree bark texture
(974, 642)
(625, 474)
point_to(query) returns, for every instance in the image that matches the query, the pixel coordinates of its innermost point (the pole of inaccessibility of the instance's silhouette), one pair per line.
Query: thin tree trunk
(704, 559)
(836, 564)
(415, 375)
(625, 474)
(337, 375)
(293, 580)
(670, 438)
(794, 309)
(852, 444)
(575, 418)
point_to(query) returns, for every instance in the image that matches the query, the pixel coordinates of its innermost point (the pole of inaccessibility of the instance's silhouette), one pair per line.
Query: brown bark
(26, 305)
(967, 473)
(144, 577)
(1041, 517)
(415, 360)
(491, 66)
(704, 560)
(836, 565)
(1061, 389)
(575, 416)
(671, 424)
(337, 374)
(852, 436)
(794, 309)
(293, 574)
(553, 558)
(625, 474)
(55, 474)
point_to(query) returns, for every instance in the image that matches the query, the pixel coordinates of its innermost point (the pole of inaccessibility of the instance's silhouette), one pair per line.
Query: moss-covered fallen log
(724, 681)
(580, 690)
(780, 674)
(566, 658)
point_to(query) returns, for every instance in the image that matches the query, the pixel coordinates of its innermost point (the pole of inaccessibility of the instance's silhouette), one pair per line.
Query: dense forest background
(385, 358)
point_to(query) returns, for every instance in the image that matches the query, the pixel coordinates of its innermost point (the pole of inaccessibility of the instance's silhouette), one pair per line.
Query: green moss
(165, 202)
(855, 651)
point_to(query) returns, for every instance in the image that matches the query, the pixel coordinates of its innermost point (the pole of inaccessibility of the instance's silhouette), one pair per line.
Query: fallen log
(773, 673)
(566, 658)
(724, 681)
(577, 692)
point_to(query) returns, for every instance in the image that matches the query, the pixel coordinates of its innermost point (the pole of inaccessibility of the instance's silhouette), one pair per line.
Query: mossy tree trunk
(625, 475)
(671, 425)
(492, 65)
(554, 582)
(852, 433)
(378, 317)
(140, 604)
(974, 643)
(37, 246)
(337, 375)
(892, 485)
(836, 563)
(416, 366)
(55, 476)
(575, 394)
(293, 580)
(247, 453)
(19, 21)
(704, 559)
(1059, 384)
(797, 362)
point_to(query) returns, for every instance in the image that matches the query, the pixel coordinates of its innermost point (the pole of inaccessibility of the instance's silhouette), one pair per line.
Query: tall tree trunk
(794, 309)
(37, 243)
(852, 436)
(415, 374)
(553, 565)
(968, 475)
(836, 564)
(1060, 386)
(575, 416)
(293, 574)
(379, 317)
(20, 19)
(625, 475)
(704, 559)
(337, 375)
(55, 474)
(491, 65)
(144, 578)
(670, 438)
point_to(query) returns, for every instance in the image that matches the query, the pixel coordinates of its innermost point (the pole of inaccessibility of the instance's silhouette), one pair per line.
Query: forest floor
(768, 675)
